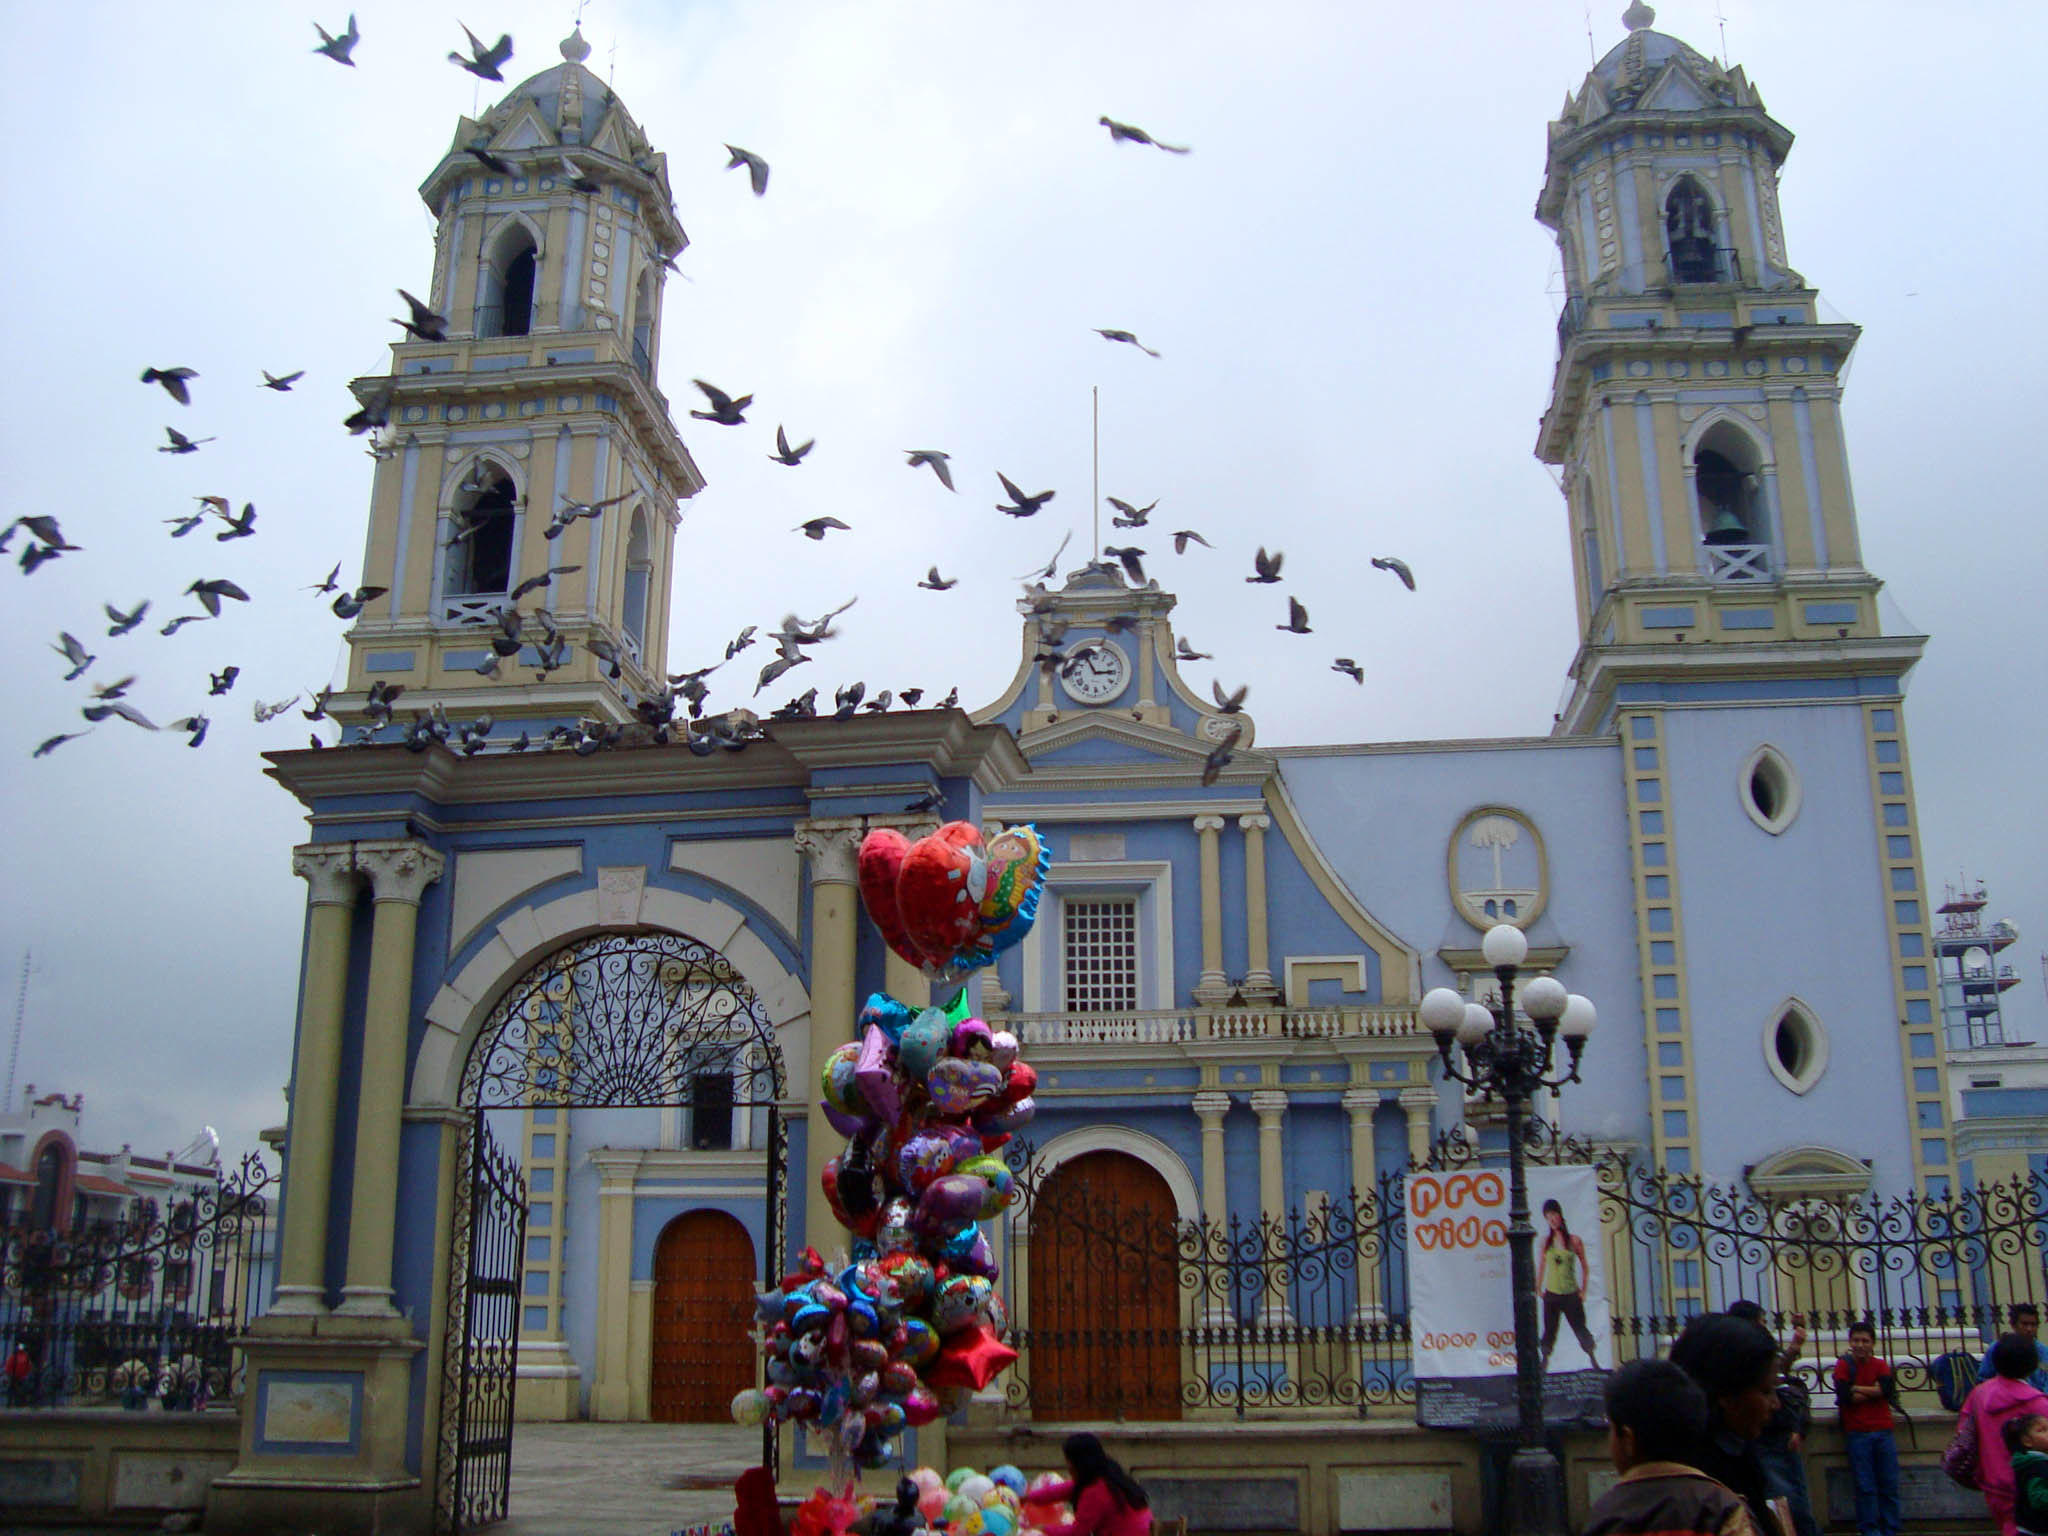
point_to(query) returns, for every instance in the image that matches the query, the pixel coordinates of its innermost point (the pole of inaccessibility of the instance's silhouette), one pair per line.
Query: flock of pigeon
(657, 720)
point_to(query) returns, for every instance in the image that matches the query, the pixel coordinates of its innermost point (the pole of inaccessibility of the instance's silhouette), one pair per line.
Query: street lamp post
(1507, 1059)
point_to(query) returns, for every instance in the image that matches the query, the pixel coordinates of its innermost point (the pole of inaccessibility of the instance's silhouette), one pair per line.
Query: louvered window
(1100, 944)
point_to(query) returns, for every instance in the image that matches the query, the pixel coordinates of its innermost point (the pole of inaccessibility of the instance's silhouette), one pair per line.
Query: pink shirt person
(1110, 1502)
(1990, 1405)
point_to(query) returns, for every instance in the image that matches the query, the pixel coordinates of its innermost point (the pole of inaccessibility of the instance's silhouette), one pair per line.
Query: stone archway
(612, 1019)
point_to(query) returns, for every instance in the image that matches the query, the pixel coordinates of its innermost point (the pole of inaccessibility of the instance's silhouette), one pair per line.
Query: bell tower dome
(529, 434)
(1695, 412)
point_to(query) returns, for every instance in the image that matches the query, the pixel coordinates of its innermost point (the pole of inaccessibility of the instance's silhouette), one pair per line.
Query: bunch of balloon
(912, 1323)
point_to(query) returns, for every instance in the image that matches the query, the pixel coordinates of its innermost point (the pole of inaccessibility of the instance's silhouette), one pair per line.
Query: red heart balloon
(882, 853)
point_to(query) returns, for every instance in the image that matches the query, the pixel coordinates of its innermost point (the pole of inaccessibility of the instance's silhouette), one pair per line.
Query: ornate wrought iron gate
(483, 1333)
(615, 1021)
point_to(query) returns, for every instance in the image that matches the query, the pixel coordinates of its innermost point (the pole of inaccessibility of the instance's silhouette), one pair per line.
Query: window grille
(1100, 944)
(711, 1101)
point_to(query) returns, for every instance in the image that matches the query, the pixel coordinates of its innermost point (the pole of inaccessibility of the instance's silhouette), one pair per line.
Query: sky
(1354, 306)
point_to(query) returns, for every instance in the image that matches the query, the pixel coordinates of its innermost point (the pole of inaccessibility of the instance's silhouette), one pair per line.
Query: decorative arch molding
(525, 937)
(494, 241)
(1752, 433)
(501, 456)
(1149, 1150)
(1809, 1172)
(1768, 787)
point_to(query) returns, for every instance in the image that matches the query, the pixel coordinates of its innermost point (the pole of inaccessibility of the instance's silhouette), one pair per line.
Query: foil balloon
(923, 1043)
(874, 1074)
(956, 1084)
(1002, 1048)
(1006, 881)
(896, 1234)
(882, 854)
(837, 1082)
(932, 892)
(926, 1157)
(947, 1203)
(750, 1406)
(970, 1359)
(996, 1174)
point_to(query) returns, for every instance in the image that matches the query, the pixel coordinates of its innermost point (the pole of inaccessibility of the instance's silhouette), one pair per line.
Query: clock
(1098, 675)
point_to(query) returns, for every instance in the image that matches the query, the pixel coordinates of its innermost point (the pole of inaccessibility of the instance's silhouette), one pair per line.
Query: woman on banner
(1564, 1269)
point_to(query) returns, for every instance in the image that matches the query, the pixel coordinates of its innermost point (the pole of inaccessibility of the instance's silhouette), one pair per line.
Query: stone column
(1211, 1106)
(1258, 976)
(1360, 1103)
(1417, 1103)
(833, 848)
(399, 872)
(1270, 1105)
(1213, 987)
(309, 1166)
(611, 1389)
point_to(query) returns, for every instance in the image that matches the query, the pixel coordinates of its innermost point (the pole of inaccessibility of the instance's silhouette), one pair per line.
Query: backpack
(1953, 1374)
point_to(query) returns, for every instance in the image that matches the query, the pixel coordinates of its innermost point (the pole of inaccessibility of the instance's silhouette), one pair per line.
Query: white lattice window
(1099, 941)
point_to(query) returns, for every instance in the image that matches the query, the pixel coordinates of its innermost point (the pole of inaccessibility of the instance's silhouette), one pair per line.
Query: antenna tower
(20, 1014)
(1095, 465)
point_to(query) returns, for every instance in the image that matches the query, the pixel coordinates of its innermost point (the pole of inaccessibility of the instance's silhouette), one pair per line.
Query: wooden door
(1105, 1293)
(703, 1319)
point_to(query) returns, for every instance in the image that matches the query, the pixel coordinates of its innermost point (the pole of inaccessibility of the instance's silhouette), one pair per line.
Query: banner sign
(1461, 1314)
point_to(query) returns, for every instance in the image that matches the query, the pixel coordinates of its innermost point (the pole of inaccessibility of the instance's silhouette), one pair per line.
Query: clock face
(1099, 675)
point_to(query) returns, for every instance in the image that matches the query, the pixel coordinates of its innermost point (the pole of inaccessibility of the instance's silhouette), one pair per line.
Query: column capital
(1254, 821)
(1361, 1100)
(832, 844)
(1269, 1102)
(399, 869)
(1211, 1104)
(1206, 822)
(330, 869)
(617, 1166)
(1427, 1097)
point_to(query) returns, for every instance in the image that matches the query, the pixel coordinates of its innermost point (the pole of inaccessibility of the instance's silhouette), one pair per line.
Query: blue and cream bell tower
(1729, 631)
(555, 228)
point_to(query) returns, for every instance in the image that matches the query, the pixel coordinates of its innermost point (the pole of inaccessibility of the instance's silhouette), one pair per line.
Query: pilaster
(831, 848)
(330, 871)
(1418, 1104)
(1258, 976)
(1360, 1103)
(1210, 1108)
(1213, 987)
(611, 1390)
(400, 871)
(1270, 1105)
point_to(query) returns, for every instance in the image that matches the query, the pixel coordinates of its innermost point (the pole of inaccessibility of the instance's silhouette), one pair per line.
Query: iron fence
(1121, 1310)
(138, 1309)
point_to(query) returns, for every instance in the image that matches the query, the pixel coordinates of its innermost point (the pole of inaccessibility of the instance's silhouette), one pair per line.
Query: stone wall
(103, 1466)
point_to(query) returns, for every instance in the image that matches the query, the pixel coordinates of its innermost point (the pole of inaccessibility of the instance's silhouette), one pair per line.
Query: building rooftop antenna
(1721, 17)
(1095, 465)
(1591, 58)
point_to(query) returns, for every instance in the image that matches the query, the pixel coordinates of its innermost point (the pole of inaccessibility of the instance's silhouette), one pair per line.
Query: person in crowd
(1656, 1420)
(2007, 1395)
(1782, 1446)
(1107, 1499)
(20, 1371)
(2026, 1442)
(2026, 1322)
(1867, 1392)
(1562, 1266)
(1735, 1364)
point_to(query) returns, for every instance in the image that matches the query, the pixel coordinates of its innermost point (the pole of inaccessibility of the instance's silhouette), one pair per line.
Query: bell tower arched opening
(480, 548)
(509, 282)
(639, 573)
(1734, 521)
(643, 324)
(1692, 236)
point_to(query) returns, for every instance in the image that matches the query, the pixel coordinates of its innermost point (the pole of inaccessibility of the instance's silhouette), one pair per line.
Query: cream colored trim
(1149, 1150)
(1151, 879)
(1400, 962)
(1816, 1043)
(1474, 913)
(1054, 811)
(1349, 971)
(526, 936)
(1809, 1172)
(1789, 782)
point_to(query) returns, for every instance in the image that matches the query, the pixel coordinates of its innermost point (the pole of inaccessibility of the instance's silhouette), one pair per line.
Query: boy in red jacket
(1866, 1393)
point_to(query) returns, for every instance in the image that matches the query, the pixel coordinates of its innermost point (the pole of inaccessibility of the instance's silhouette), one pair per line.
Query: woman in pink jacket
(1109, 1502)
(2006, 1395)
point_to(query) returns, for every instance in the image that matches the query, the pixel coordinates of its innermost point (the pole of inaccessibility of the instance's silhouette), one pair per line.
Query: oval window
(1769, 790)
(1795, 1046)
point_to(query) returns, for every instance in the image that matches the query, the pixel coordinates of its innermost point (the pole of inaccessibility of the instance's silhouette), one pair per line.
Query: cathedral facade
(632, 960)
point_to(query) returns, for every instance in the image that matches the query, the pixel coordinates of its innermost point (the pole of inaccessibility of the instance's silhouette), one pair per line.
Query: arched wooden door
(703, 1319)
(1104, 1323)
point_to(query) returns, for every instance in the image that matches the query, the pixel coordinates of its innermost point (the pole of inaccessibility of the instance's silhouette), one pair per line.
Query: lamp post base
(1535, 1503)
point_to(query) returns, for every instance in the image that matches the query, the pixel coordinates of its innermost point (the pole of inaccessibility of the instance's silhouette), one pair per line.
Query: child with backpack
(1866, 1392)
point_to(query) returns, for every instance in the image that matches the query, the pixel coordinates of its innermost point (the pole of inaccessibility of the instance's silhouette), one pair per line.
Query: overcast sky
(1353, 301)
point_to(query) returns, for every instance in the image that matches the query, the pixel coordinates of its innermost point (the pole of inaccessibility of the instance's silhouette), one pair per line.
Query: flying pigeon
(1127, 338)
(222, 681)
(922, 456)
(180, 443)
(210, 593)
(424, 324)
(1266, 566)
(349, 604)
(934, 582)
(1026, 506)
(242, 527)
(1045, 572)
(1350, 669)
(173, 381)
(1186, 652)
(196, 724)
(68, 647)
(1398, 567)
(757, 168)
(52, 743)
(725, 409)
(1214, 764)
(1297, 618)
(1129, 516)
(123, 622)
(818, 527)
(784, 454)
(1133, 561)
(579, 178)
(339, 48)
(1229, 703)
(1130, 133)
(281, 384)
(487, 160)
(1183, 537)
(483, 62)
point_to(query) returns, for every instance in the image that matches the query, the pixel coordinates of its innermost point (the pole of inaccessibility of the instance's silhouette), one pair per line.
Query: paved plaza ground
(583, 1479)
